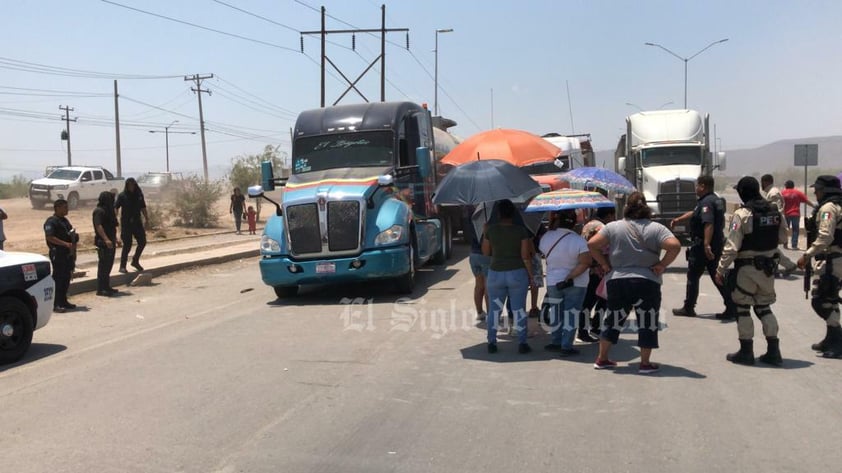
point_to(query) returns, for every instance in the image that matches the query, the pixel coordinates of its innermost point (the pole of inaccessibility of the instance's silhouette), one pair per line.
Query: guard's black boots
(773, 352)
(684, 311)
(833, 349)
(822, 345)
(746, 354)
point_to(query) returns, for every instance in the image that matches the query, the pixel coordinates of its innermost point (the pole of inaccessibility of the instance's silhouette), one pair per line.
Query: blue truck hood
(336, 183)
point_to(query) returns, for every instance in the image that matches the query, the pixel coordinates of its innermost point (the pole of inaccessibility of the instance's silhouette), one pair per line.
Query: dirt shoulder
(24, 228)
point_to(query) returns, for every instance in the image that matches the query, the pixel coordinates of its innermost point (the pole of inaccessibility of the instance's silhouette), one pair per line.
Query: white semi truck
(662, 154)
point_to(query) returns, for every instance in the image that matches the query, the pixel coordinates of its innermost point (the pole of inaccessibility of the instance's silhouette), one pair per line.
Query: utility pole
(198, 78)
(117, 130)
(66, 136)
(382, 58)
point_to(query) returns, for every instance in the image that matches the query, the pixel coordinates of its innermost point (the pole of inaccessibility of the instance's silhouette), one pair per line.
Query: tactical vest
(837, 234)
(766, 222)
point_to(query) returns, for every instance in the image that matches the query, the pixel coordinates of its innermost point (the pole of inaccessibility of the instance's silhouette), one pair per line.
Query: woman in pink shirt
(793, 198)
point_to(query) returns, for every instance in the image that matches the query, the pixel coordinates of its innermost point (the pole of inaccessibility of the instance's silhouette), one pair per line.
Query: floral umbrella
(599, 177)
(568, 199)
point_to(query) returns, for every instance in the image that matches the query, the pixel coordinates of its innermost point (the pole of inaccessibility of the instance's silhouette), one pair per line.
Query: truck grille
(343, 225)
(303, 222)
(677, 196)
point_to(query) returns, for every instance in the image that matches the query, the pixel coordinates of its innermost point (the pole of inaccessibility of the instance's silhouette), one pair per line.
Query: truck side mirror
(424, 159)
(720, 160)
(621, 165)
(267, 176)
(560, 164)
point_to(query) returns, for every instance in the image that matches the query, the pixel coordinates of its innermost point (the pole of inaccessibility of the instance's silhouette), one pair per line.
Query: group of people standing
(623, 261)
(127, 211)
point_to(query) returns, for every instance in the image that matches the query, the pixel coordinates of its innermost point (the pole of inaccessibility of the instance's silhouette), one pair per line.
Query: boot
(833, 349)
(745, 356)
(684, 311)
(822, 345)
(773, 352)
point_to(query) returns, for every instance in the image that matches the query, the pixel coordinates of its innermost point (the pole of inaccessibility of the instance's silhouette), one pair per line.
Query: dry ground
(24, 227)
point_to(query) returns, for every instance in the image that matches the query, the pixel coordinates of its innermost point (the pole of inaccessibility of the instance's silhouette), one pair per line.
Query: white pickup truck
(75, 184)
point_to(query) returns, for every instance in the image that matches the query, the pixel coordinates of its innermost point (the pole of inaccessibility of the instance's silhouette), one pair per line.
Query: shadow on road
(36, 352)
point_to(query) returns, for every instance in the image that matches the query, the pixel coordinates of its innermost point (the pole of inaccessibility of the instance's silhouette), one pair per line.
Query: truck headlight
(269, 245)
(62, 187)
(392, 234)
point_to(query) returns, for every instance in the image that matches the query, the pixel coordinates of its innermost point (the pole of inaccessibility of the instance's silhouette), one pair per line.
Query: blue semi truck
(357, 205)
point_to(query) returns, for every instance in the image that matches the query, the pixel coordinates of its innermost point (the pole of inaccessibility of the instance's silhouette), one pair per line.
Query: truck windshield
(361, 149)
(671, 156)
(64, 174)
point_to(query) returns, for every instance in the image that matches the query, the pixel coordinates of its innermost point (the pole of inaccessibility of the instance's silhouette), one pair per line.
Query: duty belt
(827, 256)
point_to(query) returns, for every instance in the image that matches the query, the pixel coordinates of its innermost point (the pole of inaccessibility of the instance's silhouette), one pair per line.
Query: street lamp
(686, 60)
(167, 138)
(436, 78)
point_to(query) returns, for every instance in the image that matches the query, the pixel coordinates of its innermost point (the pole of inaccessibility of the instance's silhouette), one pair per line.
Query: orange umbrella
(517, 147)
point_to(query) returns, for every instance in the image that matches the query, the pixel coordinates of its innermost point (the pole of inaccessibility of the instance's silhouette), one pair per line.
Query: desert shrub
(17, 187)
(157, 214)
(194, 203)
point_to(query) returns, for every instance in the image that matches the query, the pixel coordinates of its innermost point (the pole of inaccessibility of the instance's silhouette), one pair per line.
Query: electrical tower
(382, 58)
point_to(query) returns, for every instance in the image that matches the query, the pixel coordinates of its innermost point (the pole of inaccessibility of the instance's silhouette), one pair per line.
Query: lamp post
(167, 138)
(686, 60)
(436, 78)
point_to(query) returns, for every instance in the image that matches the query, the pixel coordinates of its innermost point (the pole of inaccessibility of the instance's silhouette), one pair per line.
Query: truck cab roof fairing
(368, 116)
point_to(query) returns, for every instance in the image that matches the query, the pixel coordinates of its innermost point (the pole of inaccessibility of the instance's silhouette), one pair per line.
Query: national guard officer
(774, 196)
(707, 221)
(825, 232)
(61, 239)
(755, 232)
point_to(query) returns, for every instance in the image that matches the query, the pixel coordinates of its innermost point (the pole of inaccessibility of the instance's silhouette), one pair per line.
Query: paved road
(205, 372)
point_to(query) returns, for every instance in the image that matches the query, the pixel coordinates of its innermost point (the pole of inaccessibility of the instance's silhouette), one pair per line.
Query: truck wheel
(286, 291)
(73, 201)
(449, 241)
(441, 256)
(16, 329)
(406, 283)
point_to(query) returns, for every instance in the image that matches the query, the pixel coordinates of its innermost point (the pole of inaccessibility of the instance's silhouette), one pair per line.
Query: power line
(194, 25)
(256, 15)
(25, 66)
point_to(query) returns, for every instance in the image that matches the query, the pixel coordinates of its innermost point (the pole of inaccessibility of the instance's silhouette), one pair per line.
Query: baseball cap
(823, 182)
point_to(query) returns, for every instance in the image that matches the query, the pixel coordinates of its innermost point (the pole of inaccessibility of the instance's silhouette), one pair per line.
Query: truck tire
(448, 240)
(406, 284)
(16, 327)
(442, 255)
(285, 291)
(73, 201)
(36, 204)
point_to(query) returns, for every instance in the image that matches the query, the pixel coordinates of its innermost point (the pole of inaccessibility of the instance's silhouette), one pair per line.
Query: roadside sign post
(806, 155)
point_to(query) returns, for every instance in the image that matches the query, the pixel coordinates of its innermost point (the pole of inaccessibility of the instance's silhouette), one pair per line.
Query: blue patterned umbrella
(568, 199)
(599, 177)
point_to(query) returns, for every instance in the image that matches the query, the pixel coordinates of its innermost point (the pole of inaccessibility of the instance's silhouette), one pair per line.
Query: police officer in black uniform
(61, 240)
(707, 221)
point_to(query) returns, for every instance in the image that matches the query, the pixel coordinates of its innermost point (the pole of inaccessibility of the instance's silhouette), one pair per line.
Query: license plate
(678, 228)
(325, 268)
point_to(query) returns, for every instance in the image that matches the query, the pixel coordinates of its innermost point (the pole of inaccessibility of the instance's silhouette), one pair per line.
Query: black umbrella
(487, 180)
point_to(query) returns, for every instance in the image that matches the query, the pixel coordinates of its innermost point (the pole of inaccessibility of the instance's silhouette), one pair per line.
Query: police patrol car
(26, 301)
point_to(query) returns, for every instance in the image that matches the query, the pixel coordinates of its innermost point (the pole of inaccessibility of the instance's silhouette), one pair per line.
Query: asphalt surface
(206, 372)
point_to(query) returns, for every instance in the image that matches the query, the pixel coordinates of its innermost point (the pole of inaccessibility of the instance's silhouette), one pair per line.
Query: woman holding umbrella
(568, 261)
(510, 272)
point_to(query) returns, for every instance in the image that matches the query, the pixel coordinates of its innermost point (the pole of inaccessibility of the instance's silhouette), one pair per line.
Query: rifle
(812, 232)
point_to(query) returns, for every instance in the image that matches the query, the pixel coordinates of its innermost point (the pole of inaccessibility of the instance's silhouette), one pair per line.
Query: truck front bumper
(373, 264)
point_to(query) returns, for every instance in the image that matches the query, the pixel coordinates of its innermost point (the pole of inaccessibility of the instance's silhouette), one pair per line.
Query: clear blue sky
(777, 77)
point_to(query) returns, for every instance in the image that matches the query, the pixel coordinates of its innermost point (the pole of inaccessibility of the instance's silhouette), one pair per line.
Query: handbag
(601, 289)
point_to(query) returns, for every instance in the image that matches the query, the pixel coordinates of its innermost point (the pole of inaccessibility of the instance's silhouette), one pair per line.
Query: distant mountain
(773, 158)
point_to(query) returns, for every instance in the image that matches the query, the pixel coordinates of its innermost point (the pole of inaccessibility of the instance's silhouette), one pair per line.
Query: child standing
(251, 216)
